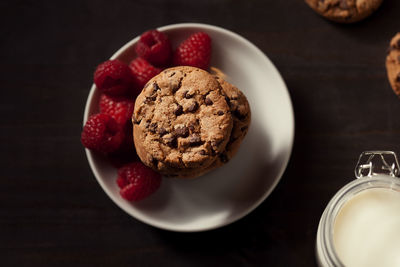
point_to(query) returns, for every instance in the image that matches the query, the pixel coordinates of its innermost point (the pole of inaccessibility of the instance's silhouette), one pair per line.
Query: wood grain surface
(54, 213)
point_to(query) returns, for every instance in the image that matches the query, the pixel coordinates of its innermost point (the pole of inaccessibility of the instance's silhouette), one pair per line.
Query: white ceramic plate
(232, 191)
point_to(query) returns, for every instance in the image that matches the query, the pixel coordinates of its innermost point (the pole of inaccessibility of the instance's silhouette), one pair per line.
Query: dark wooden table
(54, 213)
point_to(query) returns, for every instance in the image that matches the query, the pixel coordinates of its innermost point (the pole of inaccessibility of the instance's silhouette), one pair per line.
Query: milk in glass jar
(360, 226)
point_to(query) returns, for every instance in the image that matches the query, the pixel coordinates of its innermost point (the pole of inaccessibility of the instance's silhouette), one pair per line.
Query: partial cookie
(182, 122)
(393, 63)
(241, 113)
(345, 11)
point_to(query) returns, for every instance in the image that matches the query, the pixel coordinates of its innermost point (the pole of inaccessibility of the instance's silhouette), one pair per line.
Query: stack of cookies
(188, 122)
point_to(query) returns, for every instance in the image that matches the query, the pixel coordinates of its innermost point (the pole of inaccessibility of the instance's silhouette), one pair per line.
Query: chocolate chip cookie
(393, 63)
(345, 11)
(182, 122)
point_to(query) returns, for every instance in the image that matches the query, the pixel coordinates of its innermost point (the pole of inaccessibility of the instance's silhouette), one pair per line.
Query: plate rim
(252, 207)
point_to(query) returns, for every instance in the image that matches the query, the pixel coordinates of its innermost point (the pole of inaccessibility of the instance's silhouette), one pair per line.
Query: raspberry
(194, 51)
(142, 71)
(155, 47)
(119, 108)
(102, 133)
(126, 152)
(113, 77)
(121, 182)
(137, 181)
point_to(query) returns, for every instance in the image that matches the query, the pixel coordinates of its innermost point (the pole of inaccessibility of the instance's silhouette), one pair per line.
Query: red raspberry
(137, 181)
(126, 152)
(113, 77)
(127, 149)
(142, 71)
(194, 51)
(102, 133)
(119, 108)
(155, 47)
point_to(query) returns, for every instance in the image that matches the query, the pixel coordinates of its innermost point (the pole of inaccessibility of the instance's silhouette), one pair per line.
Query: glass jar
(374, 170)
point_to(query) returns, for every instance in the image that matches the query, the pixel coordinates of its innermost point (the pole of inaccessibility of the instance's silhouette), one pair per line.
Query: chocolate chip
(193, 107)
(216, 143)
(187, 95)
(171, 141)
(195, 140)
(213, 153)
(239, 115)
(191, 127)
(162, 131)
(182, 132)
(136, 121)
(179, 110)
(223, 158)
(172, 74)
(153, 127)
(147, 124)
(156, 87)
(150, 99)
(203, 152)
(208, 101)
(244, 128)
(176, 88)
(220, 113)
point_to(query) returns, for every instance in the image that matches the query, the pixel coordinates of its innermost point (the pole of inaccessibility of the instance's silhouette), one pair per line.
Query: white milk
(367, 229)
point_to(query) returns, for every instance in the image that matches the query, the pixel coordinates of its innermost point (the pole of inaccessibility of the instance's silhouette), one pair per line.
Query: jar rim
(339, 199)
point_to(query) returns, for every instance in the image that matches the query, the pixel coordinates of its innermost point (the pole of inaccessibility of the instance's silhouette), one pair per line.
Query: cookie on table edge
(393, 64)
(344, 11)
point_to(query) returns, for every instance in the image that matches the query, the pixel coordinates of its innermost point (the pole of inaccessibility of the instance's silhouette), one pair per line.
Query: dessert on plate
(162, 113)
